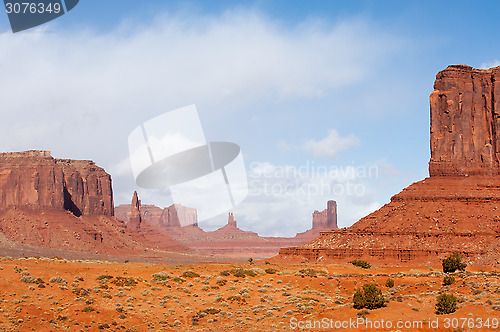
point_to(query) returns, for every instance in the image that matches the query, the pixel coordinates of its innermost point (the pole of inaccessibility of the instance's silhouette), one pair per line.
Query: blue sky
(343, 85)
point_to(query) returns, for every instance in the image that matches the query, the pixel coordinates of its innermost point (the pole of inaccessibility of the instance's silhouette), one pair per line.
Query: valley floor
(40, 294)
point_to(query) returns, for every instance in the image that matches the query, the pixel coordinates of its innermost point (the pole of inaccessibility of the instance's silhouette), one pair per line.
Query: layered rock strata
(33, 179)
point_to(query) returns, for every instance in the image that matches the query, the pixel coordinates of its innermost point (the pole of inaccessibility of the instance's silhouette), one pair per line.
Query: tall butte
(454, 210)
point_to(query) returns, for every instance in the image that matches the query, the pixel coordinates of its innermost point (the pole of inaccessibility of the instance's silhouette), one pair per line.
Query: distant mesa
(455, 210)
(168, 217)
(227, 241)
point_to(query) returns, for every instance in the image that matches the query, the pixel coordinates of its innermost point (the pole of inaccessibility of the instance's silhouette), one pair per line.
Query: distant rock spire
(230, 220)
(135, 213)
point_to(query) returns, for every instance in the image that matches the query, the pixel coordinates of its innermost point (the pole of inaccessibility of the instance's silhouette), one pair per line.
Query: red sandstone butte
(455, 210)
(465, 123)
(167, 217)
(327, 219)
(33, 179)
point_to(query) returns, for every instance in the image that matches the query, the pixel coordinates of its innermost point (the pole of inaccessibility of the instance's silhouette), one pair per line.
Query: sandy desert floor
(40, 294)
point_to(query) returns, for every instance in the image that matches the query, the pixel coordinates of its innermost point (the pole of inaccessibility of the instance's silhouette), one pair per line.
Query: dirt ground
(40, 294)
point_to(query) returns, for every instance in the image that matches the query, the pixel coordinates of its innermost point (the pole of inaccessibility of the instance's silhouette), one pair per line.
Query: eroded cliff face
(35, 180)
(465, 123)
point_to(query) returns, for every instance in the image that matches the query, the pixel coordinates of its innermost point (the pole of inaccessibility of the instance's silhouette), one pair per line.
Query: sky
(326, 99)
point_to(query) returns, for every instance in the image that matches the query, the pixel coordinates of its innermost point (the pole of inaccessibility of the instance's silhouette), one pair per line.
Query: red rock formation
(169, 217)
(453, 211)
(326, 219)
(135, 219)
(465, 122)
(33, 179)
(228, 241)
(230, 220)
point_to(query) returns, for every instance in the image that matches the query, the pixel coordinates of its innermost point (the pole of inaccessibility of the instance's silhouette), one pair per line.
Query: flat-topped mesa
(35, 180)
(24, 154)
(465, 122)
(326, 219)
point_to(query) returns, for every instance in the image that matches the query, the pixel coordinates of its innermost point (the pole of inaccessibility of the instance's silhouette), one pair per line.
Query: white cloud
(122, 168)
(487, 65)
(330, 145)
(85, 82)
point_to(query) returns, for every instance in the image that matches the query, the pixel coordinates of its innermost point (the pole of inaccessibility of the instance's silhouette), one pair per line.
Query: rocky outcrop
(33, 179)
(230, 220)
(228, 241)
(135, 219)
(326, 219)
(465, 122)
(455, 210)
(169, 217)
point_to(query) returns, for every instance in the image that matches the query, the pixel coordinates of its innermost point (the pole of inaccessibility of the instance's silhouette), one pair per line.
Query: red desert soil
(40, 294)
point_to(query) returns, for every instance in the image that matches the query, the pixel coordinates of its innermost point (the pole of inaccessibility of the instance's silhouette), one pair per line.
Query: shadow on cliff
(69, 205)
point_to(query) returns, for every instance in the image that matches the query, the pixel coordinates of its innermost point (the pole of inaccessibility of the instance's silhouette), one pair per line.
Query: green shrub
(308, 272)
(190, 274)
(224, 273)
(104, 277)
(178, 280)
(446, 304)
(210, 311)
(58, 280)
(160, 277)
(369, 297)
(88, 309)
(453, 263)
(31, 280)
(271, 271)
(241, 273)
(122, 282)
(448, 280)
(389, 283)
(236, 298)
(80, 291)
(360, 263)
